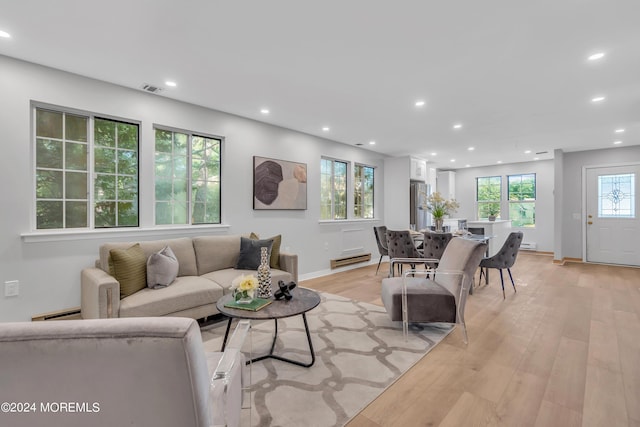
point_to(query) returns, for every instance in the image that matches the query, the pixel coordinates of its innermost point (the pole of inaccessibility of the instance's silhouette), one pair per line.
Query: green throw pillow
(129, 267)
(274, 261)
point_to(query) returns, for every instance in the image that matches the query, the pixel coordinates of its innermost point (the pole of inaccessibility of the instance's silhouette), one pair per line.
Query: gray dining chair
(402, 250)
(381, 240)
(434, 245)
(504, 258)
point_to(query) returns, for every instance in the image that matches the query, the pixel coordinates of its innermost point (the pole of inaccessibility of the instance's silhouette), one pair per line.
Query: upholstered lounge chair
(119, 372)
(440, 297)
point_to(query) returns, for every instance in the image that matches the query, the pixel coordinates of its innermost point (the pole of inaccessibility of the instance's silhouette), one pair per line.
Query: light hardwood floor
(562, 351)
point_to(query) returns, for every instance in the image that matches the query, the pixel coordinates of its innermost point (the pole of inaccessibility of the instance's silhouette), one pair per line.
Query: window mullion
(91, 174)
(189, 171)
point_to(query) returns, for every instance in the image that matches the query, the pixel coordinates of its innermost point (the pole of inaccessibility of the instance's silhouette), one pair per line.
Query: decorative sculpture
(285, 290)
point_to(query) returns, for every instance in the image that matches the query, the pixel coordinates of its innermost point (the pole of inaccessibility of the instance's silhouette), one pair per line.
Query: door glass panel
(616, 196)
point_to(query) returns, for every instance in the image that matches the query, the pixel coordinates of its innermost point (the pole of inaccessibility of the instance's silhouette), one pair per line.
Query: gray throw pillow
(162, 268)
(250, 253)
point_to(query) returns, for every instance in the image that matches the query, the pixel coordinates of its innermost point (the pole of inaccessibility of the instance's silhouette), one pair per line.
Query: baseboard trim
(327, 272)
(565, 260)
(64, 314)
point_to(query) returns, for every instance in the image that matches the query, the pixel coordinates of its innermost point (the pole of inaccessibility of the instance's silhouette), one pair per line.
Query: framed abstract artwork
(279, 184)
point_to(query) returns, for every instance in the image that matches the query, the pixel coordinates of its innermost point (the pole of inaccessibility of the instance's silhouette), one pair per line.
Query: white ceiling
(515, 73)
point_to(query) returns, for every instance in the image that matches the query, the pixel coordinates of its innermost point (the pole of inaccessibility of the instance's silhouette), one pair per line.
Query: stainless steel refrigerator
(419, 216)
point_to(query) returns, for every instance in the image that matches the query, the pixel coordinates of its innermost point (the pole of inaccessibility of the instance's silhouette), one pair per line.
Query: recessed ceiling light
(453, 160)
(596, 56)
(617, 142)
(457, 126)
(536, 158)
(619, 130)
(434, 154)
(499, 161)
(372, 143)
(467, 166)
(420, 103)
(527, 151)
(326, 129)
(264, 111)
(5, 35)
(597, 99)
(170, 83)
(471, 148)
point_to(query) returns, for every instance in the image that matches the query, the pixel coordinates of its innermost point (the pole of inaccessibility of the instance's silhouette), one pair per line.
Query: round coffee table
(303, 300)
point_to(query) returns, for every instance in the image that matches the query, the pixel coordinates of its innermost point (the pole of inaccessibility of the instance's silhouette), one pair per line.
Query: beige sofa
(206, 270)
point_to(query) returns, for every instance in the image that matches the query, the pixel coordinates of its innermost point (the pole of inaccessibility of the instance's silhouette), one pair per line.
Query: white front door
(613, 226)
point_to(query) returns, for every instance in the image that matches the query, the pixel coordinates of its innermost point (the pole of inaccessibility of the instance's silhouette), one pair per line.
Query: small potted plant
(493, 210)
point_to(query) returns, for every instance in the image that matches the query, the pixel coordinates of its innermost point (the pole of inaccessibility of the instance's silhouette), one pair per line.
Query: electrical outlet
(11, 288)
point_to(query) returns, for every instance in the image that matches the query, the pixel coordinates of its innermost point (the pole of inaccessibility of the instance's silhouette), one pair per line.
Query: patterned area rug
(359, 353)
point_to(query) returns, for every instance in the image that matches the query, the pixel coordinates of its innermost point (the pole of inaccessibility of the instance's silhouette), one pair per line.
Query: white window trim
(477, 202)
(120, 233)
(349, 186)
(355, 164)
(190, 135)
(534, 201)
(91, 115)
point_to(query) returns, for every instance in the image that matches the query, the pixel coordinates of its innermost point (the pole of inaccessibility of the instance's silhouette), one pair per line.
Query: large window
(333, 189)
(363, 192)
(63, 187)
(187, 178)
(522, 200)
(488, 196)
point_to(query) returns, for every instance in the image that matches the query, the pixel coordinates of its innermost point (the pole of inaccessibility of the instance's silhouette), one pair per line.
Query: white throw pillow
(162, 268)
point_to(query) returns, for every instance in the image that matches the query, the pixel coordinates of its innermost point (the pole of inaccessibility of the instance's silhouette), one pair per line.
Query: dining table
(480, 238)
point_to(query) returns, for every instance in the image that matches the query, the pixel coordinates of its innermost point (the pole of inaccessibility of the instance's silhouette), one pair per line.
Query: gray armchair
(441, 297)
(504, 258)
(381, 240)
(117, 372)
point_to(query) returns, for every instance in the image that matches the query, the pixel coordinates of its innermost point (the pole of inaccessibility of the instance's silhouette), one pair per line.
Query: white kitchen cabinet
(418, 170)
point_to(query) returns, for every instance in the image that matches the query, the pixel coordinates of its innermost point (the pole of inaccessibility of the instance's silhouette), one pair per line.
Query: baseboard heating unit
(528, 246)
(354, 259)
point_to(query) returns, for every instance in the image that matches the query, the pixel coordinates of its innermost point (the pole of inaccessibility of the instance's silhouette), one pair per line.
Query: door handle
(590, 216)
(589, 222)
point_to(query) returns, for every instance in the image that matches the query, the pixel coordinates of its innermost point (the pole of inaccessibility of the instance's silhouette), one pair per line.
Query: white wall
(396, 189)
(543, 233)
(49, 271)
(572, 165)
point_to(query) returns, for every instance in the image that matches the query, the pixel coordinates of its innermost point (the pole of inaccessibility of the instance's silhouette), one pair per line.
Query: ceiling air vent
(542, 152)
(151, 88)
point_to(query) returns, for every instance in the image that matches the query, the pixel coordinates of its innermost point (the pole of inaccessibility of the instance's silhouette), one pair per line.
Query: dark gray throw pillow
(162, 268)
(250, 253)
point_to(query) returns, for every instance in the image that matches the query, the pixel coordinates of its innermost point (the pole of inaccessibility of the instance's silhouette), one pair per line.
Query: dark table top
(303, 300)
